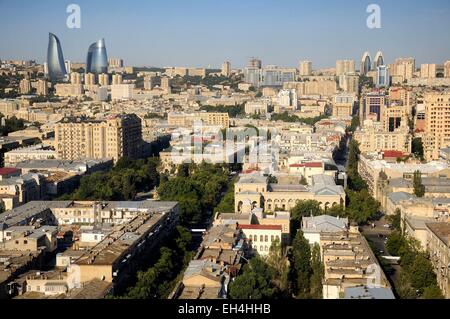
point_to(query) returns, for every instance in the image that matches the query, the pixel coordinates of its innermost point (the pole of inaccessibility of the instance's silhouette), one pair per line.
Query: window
(266, 238)
(261, 238)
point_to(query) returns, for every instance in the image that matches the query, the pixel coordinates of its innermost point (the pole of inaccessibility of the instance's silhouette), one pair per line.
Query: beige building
(350, 264)
(117, 79)
(226, 69)
(115, 62)
(114, 137)
(428, 71)
(25, 86)
(253, 191)
(403, 69)
(438, 246)
(69, 90)
(343, 105)
(261, 237)
(402, 96)
(305, 68)
(122, 92)
(42, 88)
(257, 107)
(313, 87)
(75, 78)
(371, 168)
(9, 107)
(447, 69)
(89, 79)
(349, 83)
(344, 67)
(103, 79)
(188, 119)
(166, 84)
(437, 124)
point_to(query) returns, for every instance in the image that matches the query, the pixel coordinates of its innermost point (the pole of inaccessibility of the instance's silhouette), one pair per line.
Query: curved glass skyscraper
(55, 59)
(97, 59)
(379, 59)
(366, 64)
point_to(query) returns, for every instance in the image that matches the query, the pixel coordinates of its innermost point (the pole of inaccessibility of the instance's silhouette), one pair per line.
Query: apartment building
(370, 167)
(351, 269)
(305, 68)
(343, 105)
(437, 124)
(345, 66)
(428, 71)
(438, 246)
(69, 90)
(257, 107)
(115, 137)
(372, 137)
(140, 228)
(188, 119)
(372, 105)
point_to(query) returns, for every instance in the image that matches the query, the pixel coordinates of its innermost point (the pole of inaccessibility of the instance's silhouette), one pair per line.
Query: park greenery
(12, 124)
(123, 182)
(263, 278)
(197, 188)
(417, 279)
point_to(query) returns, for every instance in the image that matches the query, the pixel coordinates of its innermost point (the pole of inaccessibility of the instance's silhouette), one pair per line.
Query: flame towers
(97, 59)
(55, 59)
(366, 64)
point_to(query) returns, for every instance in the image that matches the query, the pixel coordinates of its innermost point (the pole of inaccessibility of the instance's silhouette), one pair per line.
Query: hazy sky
(207, 32)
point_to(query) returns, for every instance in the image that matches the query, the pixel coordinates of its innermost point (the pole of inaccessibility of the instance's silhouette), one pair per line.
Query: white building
(122, 91)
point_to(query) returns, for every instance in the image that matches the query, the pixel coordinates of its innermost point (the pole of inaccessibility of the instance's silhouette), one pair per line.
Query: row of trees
(123, 182)
(417, 279)
(159, 280)
(285, 117)
(232, 110)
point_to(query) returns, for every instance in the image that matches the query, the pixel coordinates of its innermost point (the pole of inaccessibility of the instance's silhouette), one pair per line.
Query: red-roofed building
(391, 154)
(307, 169)
(7, 172)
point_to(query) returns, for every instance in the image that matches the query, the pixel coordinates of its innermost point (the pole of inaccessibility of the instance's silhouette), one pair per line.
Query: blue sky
(207, 32)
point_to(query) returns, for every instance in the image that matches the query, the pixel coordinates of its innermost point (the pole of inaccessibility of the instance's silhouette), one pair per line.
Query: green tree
(255, 282)
(395, 220)
(278, 261)
(417, 148)
(303, 181)
(419, 188)
(361, 206)
(318, 270)
(301, 266)
(432, 292)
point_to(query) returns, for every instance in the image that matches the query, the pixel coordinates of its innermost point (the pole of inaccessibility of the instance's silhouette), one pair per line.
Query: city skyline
(242, 30)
